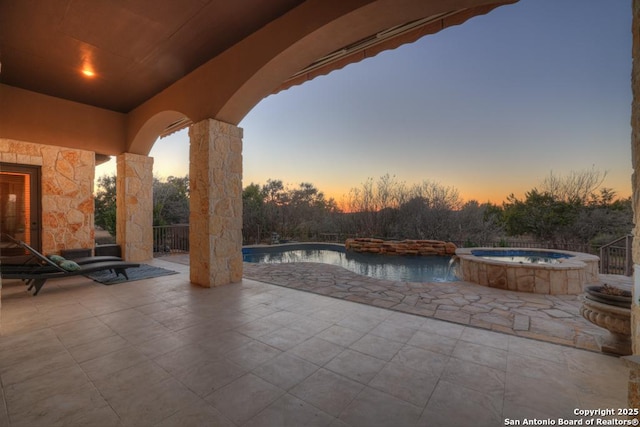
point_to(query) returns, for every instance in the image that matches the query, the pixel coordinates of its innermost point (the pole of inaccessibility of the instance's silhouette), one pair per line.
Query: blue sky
(490, 107)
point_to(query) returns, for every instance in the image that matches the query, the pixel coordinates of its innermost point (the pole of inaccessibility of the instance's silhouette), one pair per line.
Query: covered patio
(82, 81)
(164, 352)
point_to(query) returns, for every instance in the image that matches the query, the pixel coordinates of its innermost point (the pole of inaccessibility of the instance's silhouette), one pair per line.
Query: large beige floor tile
(327, 391)
(162, 345)
(244, 398)
(361, 322)
(373, 408)
(454, 405)
(97, 348)
(285, 338)
(433, 342)
(378, 347)
(440, 327)
(528, 396)
(425, 361)
(356, 366)
(341, 335)
(21, 348)
(477, 377)
(542, 350)
(405, 383)
(285, 370)
(22, 395)
(252, 354)
(317, 350)
(182, 358)
(148, 404)
(196, 414)
(289, 411)
(481, 354)
(206, 376)
(37, 364)
(485, 337)
(66, 407)
(107, 365)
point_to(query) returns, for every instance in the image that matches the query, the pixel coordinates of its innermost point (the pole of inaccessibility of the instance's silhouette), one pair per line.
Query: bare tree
(575, 187)
(428, 212)
(376, 204)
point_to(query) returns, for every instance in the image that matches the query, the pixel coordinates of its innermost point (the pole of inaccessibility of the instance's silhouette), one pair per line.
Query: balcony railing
(615, 257)
(170, 239)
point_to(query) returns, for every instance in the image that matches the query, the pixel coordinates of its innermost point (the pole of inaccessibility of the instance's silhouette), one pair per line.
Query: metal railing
(170, 239)
(615, 257)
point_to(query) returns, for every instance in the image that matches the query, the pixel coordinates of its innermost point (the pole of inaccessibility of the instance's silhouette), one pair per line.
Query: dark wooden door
(20, 212)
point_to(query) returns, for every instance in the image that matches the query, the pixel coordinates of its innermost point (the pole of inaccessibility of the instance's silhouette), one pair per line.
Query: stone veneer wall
(134, 206)
(634, 379)
(215, 179)
(635, 159)
(67, 192)
(404, 247)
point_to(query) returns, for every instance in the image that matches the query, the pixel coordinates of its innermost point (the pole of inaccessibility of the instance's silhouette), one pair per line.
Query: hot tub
(540, 271)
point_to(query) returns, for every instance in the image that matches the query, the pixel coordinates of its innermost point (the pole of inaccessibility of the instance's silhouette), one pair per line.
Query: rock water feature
(403, 247)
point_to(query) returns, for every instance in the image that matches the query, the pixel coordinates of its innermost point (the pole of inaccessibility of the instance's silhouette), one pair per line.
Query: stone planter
(614, 318)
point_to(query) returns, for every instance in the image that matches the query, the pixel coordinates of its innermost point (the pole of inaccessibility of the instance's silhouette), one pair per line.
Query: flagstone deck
(162, 352)
(552, 318)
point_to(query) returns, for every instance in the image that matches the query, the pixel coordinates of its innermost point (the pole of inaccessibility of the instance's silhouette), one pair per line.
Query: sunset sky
(490, 107)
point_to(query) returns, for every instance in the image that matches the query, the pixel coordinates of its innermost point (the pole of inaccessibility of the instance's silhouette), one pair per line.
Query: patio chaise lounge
(32, 264)
(35, 275)
(33, 261)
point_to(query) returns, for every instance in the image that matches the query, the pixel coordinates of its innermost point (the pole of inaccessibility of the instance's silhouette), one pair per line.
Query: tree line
(570, 209)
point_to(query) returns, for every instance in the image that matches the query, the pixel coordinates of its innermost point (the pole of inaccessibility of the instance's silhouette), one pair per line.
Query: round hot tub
(540, 271)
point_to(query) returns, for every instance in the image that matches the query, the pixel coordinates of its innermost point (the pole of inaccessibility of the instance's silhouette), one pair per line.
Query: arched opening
(145, 193)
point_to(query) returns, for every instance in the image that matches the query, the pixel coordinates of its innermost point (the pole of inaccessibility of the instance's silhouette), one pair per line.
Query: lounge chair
(35, 275)
(33, 264)
(32, 261)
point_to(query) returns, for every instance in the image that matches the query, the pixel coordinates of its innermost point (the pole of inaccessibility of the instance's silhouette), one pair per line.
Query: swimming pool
(522, 256)
(387, 267)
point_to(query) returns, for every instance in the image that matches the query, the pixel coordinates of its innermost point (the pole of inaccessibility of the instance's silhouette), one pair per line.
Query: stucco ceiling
(135, 48)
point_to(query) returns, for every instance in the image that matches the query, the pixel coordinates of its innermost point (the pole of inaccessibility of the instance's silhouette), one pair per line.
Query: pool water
(522, 256)
(397, 268)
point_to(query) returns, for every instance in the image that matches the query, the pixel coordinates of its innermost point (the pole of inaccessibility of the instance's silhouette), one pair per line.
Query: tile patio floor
(162, 352)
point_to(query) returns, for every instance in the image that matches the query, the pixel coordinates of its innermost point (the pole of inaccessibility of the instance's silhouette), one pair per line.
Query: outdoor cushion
(56, 258)
(69, 265)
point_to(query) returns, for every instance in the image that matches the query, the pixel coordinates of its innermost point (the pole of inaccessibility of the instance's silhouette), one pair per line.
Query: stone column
(215, 188)
(134, 204)
(635, 179)
(634, 388)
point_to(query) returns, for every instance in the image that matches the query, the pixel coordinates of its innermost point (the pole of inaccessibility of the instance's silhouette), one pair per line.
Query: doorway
(20, 213)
